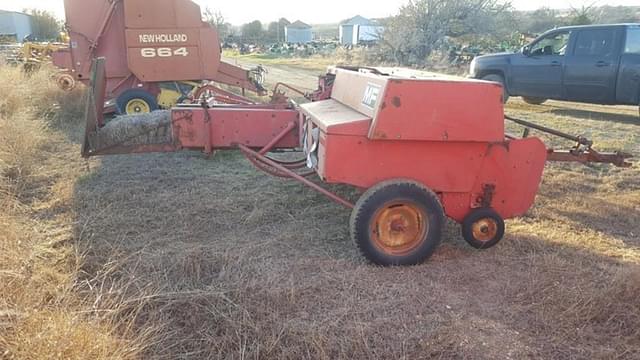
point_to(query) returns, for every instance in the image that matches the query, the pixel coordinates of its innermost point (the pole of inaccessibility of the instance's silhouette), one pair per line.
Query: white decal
(163, 52)
(163, 38)
(371, 95)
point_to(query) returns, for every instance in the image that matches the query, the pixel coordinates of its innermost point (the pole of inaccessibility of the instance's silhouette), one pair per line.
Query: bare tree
(423, 26)
(217, 20)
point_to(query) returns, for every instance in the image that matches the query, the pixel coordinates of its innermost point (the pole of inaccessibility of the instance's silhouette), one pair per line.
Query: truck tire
(397, 223)
(500, 80)
(533, 100)
(136, 101)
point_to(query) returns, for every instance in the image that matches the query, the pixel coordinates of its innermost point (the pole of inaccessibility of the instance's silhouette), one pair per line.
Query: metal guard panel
(440, 110)
(332, 117)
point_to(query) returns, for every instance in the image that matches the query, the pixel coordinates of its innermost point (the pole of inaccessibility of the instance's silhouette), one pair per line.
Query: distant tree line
(423, 27)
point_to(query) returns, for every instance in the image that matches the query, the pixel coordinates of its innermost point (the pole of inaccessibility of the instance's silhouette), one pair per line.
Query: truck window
(633, 41)
(595, 42)
(552, 44)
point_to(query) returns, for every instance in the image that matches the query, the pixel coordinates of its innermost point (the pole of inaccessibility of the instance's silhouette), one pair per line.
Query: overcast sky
(311, 11)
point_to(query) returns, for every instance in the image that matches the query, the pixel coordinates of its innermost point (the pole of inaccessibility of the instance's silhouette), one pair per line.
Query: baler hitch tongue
(582, 152)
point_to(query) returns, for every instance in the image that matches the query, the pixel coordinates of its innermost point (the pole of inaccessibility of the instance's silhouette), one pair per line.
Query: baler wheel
(483, 228)
(136, 101)
(397, 223)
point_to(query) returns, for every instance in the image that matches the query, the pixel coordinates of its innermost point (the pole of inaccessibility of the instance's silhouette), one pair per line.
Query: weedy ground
(178, 256)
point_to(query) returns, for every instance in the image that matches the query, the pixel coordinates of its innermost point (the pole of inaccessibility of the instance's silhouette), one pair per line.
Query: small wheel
(483, 228)
(500, 80)
(397, 223)
(66, 82)
(534, 100)
(136, 101)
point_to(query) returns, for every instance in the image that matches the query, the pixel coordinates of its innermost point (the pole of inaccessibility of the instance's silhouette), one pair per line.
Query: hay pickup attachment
(415, 153)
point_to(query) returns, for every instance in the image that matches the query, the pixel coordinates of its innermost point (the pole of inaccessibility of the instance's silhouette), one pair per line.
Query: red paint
(447, 135)
(144, 42)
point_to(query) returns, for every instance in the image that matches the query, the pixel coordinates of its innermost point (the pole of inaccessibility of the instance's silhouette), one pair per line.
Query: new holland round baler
(157, 53)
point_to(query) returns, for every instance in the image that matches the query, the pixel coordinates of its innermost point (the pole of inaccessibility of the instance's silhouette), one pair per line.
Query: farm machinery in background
(158, 54)
(405, 142)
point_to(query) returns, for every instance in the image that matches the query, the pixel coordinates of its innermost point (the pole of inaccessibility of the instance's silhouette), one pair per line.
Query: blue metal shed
(15, 24)
(298, 33)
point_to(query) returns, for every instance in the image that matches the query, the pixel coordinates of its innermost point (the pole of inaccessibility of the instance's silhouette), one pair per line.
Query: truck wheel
(136, 101)
(397, 223)
(534, 100)
(483, 228)
(500, 80)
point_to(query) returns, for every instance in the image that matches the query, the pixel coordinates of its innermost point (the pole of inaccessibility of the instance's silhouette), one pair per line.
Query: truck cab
(594, 64)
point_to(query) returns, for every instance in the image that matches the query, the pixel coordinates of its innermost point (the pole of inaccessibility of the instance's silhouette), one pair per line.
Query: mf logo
(371, 95)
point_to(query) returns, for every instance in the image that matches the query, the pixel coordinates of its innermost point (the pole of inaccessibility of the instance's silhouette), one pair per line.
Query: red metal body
(145, 43)
(435, 136)
(376, 128)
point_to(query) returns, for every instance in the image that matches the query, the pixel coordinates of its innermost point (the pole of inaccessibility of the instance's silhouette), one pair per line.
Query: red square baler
(419, 149)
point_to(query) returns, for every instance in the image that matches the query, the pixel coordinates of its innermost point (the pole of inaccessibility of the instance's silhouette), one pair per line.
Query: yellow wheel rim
(485, 229)
(399, 228)
(137, 106)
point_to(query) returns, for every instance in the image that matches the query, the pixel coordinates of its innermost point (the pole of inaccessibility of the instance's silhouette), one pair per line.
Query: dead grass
(185, 257)
(43, 313)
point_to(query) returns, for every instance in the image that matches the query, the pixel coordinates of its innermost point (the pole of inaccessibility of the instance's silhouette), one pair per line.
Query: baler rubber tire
(493, 218)
(132, 94)
(384, 196)
(500, 80)
(534, 100)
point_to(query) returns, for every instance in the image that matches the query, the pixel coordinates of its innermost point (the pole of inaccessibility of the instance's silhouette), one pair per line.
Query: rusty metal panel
(224, 128)
(440, 110)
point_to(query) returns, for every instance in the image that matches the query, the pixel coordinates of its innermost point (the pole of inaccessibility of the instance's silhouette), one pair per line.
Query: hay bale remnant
(130, 130)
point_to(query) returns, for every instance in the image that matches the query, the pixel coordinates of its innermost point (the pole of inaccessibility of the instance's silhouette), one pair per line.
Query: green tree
(253, 32)
(275, 30)
(46, 27)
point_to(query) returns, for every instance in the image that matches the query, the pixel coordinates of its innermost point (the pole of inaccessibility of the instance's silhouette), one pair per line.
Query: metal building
(15, 25)
(298, 33)
(359, 29)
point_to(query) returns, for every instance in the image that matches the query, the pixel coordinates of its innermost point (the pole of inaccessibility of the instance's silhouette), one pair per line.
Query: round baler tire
(500, 80)
(534, 100)
(414, 219)
(132, 95)
(480, 223)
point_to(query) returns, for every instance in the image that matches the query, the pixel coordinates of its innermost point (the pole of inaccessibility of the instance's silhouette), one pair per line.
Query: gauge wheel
(136, 101)
(397, 223)
(500, 80)
(483, 228)
(534, 100)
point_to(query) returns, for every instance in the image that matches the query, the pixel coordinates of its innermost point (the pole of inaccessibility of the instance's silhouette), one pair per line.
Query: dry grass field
(175, 256)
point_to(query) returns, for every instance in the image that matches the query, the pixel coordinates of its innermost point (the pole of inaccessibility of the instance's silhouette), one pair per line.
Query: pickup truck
(597, 64)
